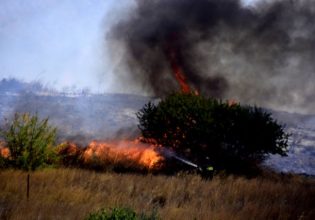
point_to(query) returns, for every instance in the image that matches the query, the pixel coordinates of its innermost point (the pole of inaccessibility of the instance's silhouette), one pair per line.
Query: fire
(179, 74)
(178, 71)
(4, 151)
(231, 102)
(113, 151)
(141, 153)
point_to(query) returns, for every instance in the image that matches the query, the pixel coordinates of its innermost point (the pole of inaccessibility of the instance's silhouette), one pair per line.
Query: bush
(30, 142)
(207, 131)
(2, 162)
(119, 214)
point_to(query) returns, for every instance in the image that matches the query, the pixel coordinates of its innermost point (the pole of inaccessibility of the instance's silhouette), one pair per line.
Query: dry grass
(73, 193)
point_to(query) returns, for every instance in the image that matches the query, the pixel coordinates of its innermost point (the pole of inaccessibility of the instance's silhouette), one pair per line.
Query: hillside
(83, 117)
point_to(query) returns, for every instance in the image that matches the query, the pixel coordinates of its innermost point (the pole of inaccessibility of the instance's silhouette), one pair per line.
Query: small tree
(30, 141)
(230, 136)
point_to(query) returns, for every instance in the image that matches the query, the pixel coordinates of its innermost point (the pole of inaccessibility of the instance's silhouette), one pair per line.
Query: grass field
(73, 193)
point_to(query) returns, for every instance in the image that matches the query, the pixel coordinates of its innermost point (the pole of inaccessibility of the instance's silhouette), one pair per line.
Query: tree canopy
(205, 130)
(30, 142)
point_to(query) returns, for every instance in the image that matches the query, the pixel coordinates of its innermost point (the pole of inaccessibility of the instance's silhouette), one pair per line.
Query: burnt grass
(68, 193)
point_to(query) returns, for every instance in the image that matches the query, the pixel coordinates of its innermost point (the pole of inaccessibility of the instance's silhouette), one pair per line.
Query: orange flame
(231, 102)
(114, 151)
(178, 73)
(4, 150)
(141, 153)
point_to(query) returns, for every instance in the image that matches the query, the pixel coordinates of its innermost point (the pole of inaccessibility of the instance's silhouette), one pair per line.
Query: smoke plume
(261, 55)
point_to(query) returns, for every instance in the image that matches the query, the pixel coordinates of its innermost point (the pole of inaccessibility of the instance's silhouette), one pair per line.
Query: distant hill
(13, 85)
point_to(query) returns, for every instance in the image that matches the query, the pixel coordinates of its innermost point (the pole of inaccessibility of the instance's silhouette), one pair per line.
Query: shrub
(119, 214)
(2, 162)
(30, 142)
(205, 130)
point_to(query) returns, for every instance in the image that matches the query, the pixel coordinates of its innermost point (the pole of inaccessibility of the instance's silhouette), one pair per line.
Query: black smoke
(260, 55)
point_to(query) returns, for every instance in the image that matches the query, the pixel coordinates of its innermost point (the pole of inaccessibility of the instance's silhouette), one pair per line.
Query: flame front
(113, 151)
(141, 153)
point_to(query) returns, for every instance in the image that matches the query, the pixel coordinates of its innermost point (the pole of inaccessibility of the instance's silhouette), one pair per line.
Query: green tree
(30, 141)
(205, 130)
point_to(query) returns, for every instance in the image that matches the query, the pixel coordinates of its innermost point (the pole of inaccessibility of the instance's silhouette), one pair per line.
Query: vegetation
(119, 214)
(230, 136)
(192, 126)
(74, 193)
(72, 155)
(2, 162)
(30, 141)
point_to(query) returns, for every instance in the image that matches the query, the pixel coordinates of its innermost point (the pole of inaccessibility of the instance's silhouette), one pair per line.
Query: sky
(60, 43)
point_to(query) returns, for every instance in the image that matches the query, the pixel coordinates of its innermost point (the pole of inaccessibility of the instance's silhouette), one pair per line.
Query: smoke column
(262, 55)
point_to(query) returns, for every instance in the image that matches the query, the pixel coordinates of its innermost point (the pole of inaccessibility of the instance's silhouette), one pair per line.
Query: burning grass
(143, 154)
(73, 193)
(124, 155)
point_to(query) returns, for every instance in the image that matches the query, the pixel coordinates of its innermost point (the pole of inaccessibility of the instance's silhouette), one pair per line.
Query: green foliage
(30, 141)
(119, 214)
(231, 136)
(2, 162)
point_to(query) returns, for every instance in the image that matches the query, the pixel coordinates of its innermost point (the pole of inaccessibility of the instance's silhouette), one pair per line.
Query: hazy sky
(61, 43)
